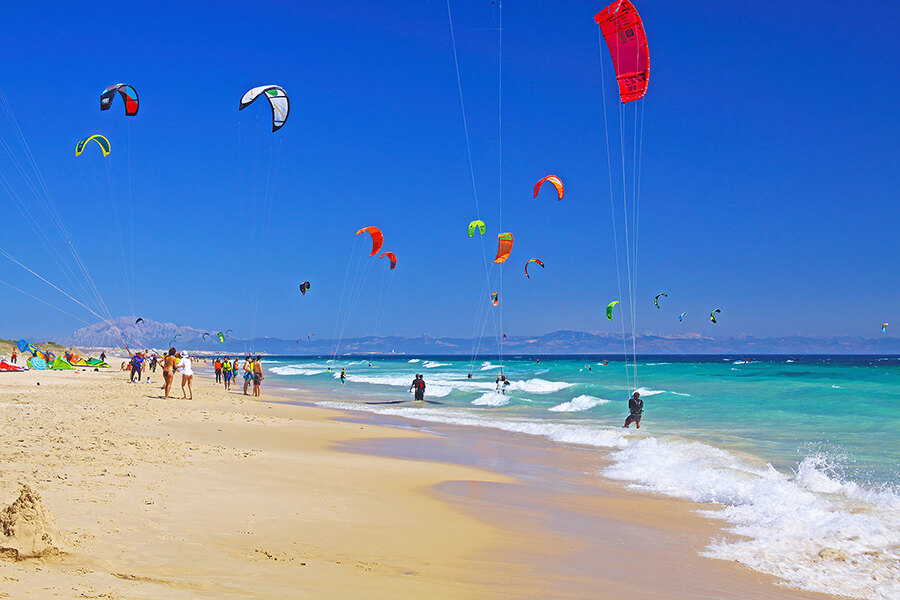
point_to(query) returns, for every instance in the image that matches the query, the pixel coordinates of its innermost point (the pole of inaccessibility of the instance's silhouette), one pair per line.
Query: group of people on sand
(227, 373)
(172, 362)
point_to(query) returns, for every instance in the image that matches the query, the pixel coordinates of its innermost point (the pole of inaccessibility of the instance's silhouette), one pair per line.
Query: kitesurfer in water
(418, 385)
(636, 408)
(343, 376)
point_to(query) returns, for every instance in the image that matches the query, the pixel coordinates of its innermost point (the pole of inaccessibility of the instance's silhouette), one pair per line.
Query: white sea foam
(578, 404)
(487, 366)
(657, 364)
(539, 386)
(491, 399)
(809, 528)
(648, 392)
(413, 360)
(430, 364)
(601, 437)
(295, 370)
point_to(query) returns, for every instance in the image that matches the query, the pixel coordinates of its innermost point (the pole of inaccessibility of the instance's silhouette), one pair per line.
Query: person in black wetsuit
(636, 408)
(418, 385)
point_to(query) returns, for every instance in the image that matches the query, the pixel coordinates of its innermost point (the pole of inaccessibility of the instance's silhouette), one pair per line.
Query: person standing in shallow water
(636, 408)
(418, 385)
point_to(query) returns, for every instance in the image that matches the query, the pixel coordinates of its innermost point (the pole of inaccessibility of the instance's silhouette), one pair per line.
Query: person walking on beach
(169, 363)
(137, 362)
(226, 372)
(153, 361)
(218, 367)
(257, 375)
(14, 355)
(187, 375)
(248, 374)
(102, 356)
(234, 372)
(636, 408)
(418, 384)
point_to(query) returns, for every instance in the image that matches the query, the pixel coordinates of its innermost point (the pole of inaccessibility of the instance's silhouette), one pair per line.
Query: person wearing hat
(187, 375)
(636, 408)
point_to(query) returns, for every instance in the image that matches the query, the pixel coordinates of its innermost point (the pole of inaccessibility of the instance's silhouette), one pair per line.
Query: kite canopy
(504, 247)
(656, 299)
(304, 287)
(101, 141)
(884, 328)
(392, 258)
(277, 98)
(623, 30)
(204, 336)
(479, 225)
(139, 320)
(129, 97)
(681, 317)
(533, 260)
(221, 337)
(59, 364)
(5, 367)
(377, 238)
(495, 298)
(556, 181)
(712, 315)
(609, 309)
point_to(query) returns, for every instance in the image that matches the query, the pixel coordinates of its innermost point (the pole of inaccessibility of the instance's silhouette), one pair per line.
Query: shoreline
(601, 530)
(268, 499)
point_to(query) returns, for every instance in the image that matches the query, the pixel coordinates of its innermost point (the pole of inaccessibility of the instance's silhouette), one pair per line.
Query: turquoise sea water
(798, 455)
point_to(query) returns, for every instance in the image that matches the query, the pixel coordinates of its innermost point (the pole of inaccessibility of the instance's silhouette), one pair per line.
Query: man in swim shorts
(257, 375)
(636, 408)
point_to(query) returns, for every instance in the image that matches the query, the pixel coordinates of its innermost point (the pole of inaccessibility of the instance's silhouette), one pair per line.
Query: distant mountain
(152, 334)
(124, 330)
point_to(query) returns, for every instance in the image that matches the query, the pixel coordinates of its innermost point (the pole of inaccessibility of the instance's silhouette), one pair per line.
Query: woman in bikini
(169, 363)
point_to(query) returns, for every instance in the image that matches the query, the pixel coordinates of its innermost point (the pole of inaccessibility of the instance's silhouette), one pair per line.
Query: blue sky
(768, 184)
